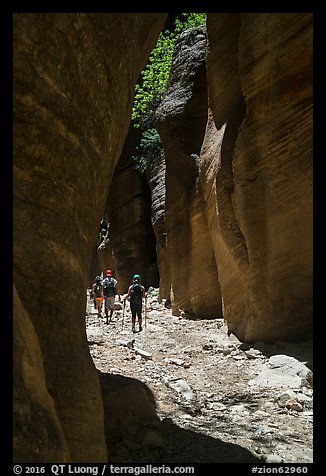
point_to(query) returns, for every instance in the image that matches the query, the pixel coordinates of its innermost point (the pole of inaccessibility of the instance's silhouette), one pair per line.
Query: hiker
(91, 297)
(136, 293)
(97, 292)
(110, 290)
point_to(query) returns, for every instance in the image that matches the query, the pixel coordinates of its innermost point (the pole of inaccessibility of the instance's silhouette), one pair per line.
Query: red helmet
(108, 272)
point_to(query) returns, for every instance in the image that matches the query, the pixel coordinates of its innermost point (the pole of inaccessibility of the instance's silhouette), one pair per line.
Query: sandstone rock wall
(40, 431)
(256, 171)
(132, 242)
(238, 204)
(181, 120)
(247, 228)
(156, 180)
(74, 77)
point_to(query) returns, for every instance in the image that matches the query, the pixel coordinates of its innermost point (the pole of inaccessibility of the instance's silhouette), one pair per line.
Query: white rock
(114, 370)
(217, 406)
(273, 459)
(142, 353)
(182, 387)
(261, 414)
(185, 416)
(282, 371)
(173, 360)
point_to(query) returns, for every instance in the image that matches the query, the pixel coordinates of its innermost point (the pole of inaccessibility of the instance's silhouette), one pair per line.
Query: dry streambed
(182, 390)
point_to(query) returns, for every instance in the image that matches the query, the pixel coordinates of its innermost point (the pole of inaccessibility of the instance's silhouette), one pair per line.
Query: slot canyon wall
(256, 171)
(74, 77)
(181, 120)
(231, 195)
(130, 248)
(238, 197)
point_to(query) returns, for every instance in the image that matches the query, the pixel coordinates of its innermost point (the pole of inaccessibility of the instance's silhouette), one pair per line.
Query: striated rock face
(256, 171)
(181, 120)
(156, 180)
(237, 232)
(40, 431)
(131, 245)
(74, 77)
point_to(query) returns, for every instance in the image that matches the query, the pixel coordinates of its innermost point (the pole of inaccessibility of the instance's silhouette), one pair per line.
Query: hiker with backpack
(97, 293)
(136, 293)
(110, 290)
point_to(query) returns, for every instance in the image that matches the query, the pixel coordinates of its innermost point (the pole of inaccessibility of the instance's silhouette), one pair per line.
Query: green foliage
(152, 86)
(154, 78)
(189, 20)
(149, 147)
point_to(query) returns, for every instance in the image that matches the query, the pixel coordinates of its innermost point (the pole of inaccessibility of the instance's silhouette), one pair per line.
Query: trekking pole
(145, 310)
(123, 313)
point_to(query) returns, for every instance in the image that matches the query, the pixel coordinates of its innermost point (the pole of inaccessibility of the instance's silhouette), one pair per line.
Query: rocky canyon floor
(183, 391)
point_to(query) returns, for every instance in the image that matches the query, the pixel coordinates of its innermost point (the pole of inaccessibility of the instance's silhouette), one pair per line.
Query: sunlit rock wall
(256, 171)
(181, 120)
(156, 180)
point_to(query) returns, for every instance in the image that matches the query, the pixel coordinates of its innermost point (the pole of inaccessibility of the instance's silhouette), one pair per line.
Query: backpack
(98, 290)
(108, 287)
(136, 294)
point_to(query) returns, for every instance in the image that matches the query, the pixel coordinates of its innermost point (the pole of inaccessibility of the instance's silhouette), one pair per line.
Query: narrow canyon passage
(183, 391)
(218, 223)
